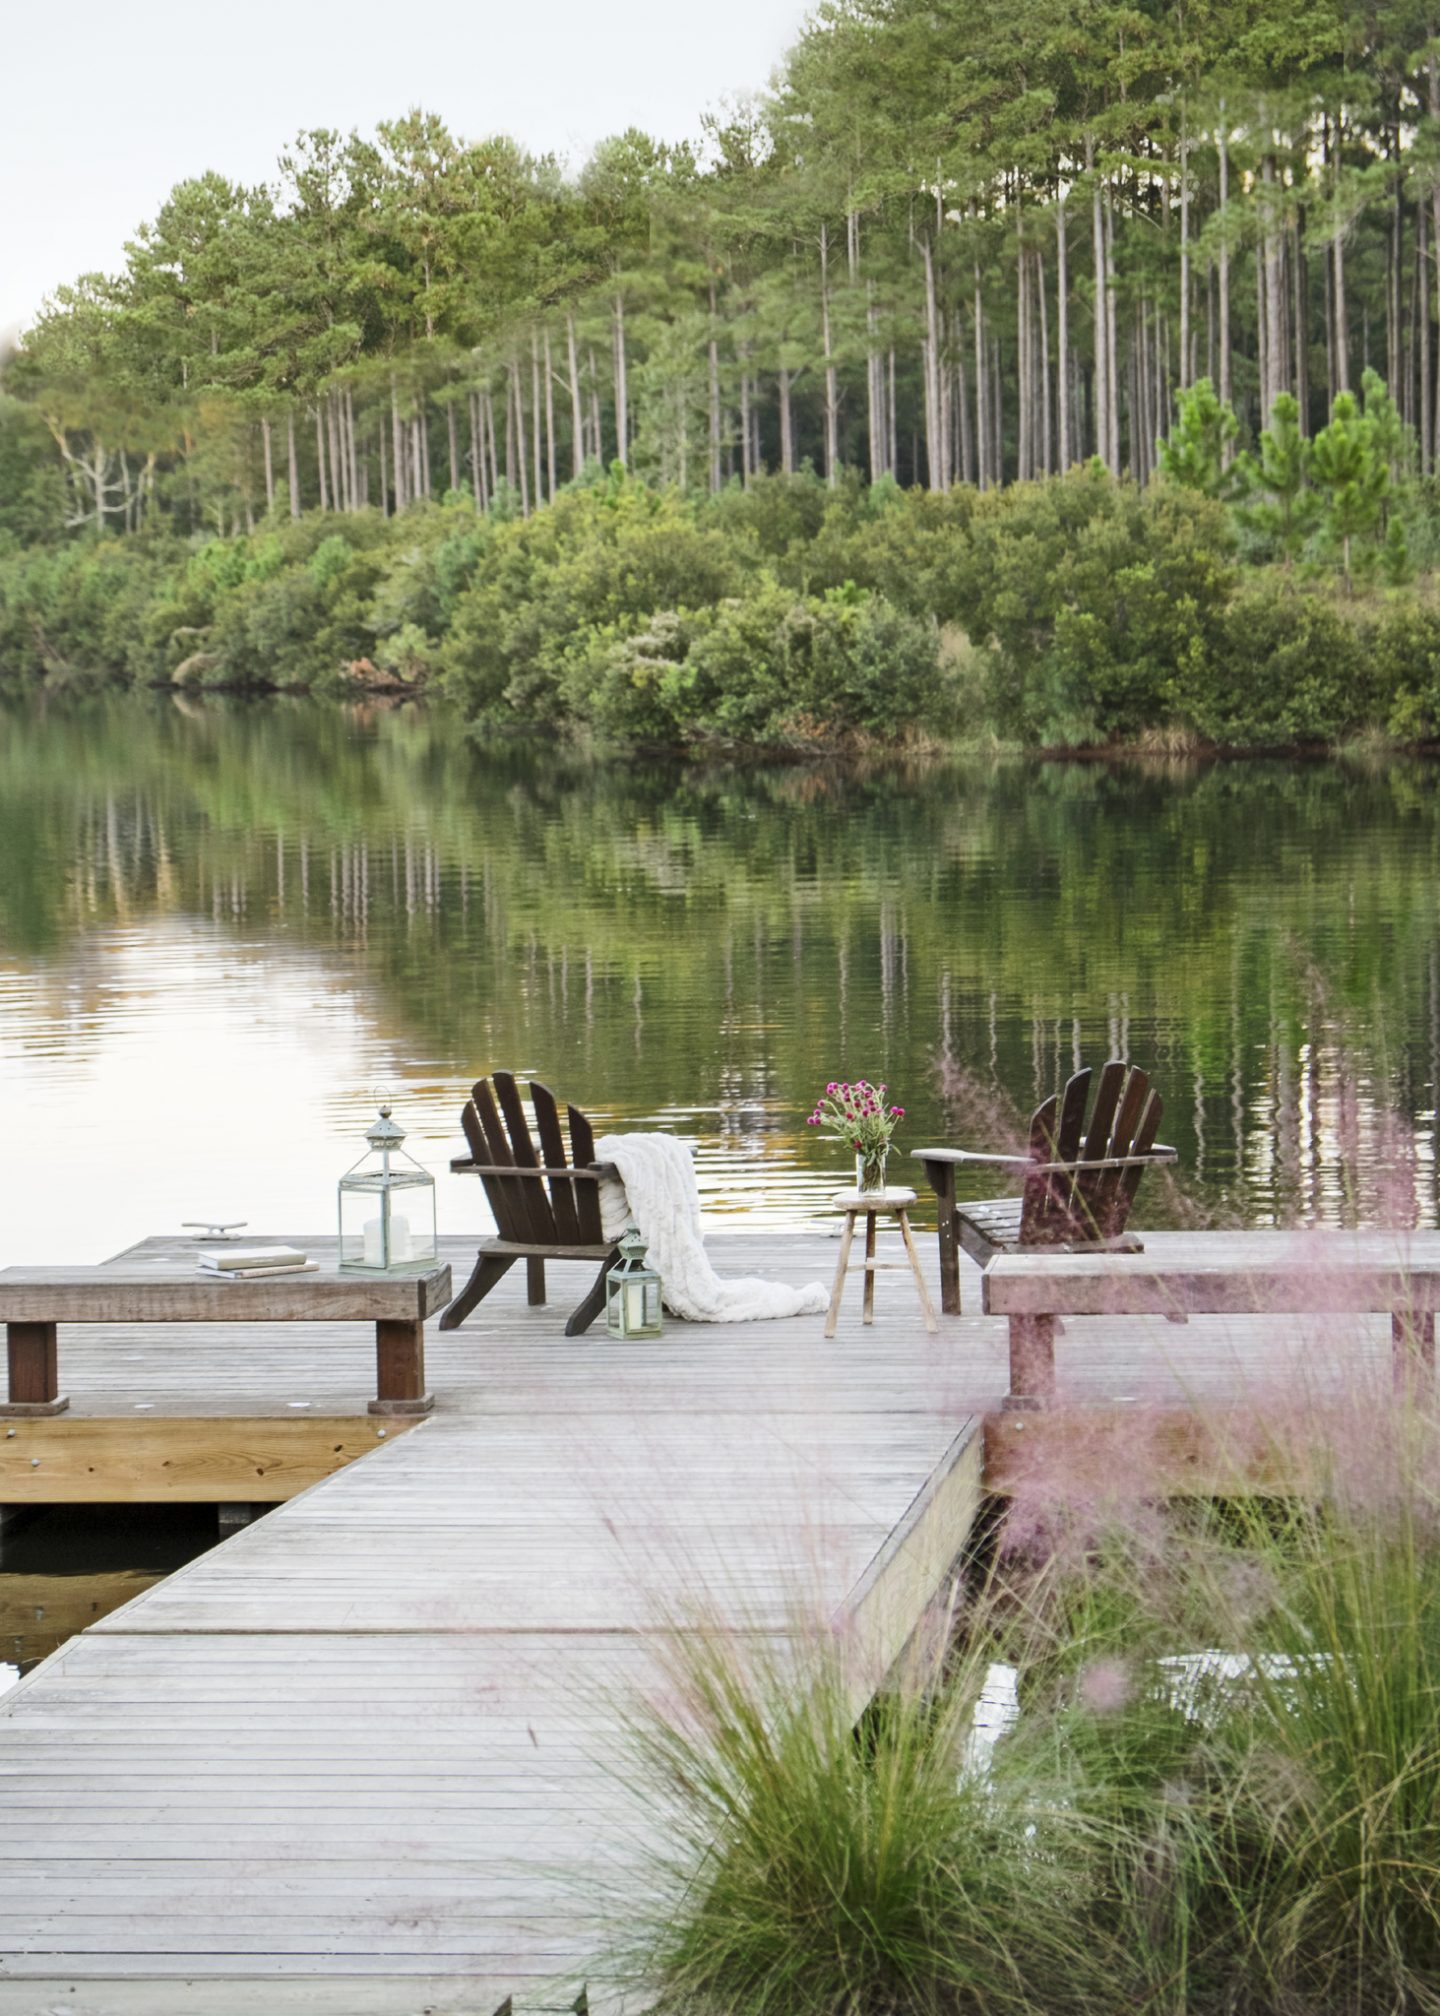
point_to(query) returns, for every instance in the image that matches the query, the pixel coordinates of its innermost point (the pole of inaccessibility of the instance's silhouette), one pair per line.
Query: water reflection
(220, 927)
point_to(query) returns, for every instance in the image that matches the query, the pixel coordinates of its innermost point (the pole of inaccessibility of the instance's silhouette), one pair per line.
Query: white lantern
(387, 1208)
(632, 1292)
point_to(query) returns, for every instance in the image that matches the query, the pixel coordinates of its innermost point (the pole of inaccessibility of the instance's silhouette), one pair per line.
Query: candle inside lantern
(400, 1247)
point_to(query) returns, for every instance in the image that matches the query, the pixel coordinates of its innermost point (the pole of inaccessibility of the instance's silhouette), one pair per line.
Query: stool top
(892, 1198)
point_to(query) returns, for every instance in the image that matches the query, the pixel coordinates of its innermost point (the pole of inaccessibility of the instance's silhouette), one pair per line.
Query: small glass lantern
(387, 1208)
(632, 1292)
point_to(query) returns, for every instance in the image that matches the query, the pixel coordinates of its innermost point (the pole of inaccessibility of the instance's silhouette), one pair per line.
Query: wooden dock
(361, 1760)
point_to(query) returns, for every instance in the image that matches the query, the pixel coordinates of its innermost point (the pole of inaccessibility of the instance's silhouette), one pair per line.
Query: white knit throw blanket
(657, 1193)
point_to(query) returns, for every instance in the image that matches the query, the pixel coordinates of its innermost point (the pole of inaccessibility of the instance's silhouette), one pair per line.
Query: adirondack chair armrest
(958, 1155)
(1027, 1163)
(591, 1172)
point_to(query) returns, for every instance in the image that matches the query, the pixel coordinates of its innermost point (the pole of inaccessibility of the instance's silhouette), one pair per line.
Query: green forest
(1060, 373)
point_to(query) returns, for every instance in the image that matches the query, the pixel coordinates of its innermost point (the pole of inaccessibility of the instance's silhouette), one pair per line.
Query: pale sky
(105, 104)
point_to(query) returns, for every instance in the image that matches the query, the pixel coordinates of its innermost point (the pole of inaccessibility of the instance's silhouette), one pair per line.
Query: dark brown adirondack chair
(1079, 1181)
(545, 1207)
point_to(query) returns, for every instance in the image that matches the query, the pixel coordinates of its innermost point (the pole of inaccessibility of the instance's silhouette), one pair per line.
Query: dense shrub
(1102, 602)
(1078, 610)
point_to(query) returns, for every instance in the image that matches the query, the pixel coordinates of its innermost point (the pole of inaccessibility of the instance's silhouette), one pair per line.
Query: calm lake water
(222, 926)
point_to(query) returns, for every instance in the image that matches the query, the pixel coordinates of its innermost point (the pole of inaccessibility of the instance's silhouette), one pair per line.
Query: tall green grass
(1274, 1851)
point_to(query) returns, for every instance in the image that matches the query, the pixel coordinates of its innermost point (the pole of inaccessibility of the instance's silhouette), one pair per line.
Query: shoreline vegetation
(798, 617)
(1065, 380)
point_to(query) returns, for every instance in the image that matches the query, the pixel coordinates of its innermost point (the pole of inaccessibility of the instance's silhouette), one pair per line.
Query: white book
(237, 1257)
(259, 1273)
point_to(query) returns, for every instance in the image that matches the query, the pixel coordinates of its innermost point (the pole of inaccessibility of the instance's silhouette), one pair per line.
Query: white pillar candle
(401, 1247)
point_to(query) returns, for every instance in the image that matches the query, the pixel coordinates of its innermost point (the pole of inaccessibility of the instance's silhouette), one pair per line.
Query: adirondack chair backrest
(533, 1211)
(1089, 1203)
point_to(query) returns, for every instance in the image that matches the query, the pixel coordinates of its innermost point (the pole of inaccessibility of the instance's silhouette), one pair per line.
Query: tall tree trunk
(397, 444)
(1422, 317)
(712, 353)
(874, 390)
(832, 393)
(595, 437)
(1064, 448)
(577, 411)
(1223, 275)
(787, 424)
(892, 458)
(359, 476)
(1301, 283)
(1024, 368)
(745, 442)
(320, 456)
(517, 398)
(1102, 320)
(337, 464)
(270, 464)
(537, 447)
(622, 392)
(477, 477)
(492, 449)
(550, 457)
(1395, 262)
(1186, 362)
(997, 416)
(292, 462)
(1112, 348)
(384, 477)
(983, 457)
(965, 444)
(1047, 418)
(452, 442)
(1277, 364)
(935, 443)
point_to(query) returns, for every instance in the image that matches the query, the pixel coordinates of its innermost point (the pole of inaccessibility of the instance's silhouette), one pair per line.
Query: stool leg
(920, 1288)
(869, 1269)
(832, 1314)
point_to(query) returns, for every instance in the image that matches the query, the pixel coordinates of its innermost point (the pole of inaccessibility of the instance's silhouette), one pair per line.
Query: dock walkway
(363, 1759)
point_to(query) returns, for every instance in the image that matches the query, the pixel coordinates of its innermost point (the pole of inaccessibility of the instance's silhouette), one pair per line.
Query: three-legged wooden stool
(870, 1203)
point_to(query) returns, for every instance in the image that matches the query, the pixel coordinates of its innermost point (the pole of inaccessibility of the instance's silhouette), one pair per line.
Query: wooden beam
(1107, 1454)
(39, 1612)
(135, 1295)
(80, 1460)
(1319, 1276)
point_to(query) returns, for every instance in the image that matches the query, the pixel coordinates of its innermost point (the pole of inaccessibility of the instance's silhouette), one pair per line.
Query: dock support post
(1412, 1349)
(33, 1354)
(1032, 1363)
(400, 1368)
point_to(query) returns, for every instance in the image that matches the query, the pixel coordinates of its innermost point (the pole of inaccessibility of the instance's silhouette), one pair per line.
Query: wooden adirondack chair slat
(587, 1195)
(505, 1199)
(552, 1145)
(1109, 1204)
(536, 1207)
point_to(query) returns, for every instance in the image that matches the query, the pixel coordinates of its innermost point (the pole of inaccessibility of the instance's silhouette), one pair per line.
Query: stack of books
(255, 1263)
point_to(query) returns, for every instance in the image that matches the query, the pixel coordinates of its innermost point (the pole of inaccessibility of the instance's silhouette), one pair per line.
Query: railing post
(400, 1368)
(33, 1354)
(1032, 1363)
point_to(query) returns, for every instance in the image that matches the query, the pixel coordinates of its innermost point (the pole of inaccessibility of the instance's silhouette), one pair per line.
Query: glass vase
(870, 1169)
